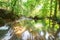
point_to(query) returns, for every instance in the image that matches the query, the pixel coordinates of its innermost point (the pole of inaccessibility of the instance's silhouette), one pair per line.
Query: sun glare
(24, 1)
(39, 7)
(38, 25)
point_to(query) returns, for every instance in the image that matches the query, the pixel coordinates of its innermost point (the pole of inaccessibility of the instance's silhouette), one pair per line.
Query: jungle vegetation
(39, 15)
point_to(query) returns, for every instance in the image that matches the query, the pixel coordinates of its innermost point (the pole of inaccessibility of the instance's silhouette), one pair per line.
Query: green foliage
(32, 8)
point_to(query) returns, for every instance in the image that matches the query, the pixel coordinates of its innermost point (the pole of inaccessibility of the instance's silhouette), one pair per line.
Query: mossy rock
(7, 14)
(2, 22)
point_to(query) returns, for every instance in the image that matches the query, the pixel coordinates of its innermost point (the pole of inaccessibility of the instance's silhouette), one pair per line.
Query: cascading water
(8, 35)
(25, 35)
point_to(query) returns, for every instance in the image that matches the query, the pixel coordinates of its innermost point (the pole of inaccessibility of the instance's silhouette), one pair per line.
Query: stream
(6, 33)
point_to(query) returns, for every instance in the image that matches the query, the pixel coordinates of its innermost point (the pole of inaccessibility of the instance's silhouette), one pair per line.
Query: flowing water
(9, 33)
(6, 33)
